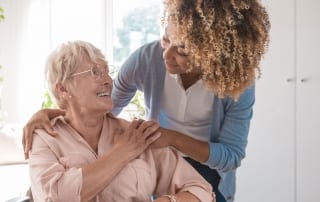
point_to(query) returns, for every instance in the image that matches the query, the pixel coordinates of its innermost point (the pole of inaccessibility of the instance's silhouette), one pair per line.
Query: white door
(267, 173)
(308, 100)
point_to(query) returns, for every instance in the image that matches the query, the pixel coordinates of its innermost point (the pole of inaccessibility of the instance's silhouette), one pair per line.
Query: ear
(61, 90)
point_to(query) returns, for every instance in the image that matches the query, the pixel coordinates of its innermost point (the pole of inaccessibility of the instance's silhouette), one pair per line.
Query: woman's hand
(41, 119)
(137, 137)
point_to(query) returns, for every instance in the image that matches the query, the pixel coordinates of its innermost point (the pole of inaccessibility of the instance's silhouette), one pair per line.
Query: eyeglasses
(96, 71)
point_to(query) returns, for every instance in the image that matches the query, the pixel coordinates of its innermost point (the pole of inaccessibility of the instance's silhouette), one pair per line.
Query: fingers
(141, 130)
(153, 138)
(28, 131)
(48, 127)
(137, 137)
(135, 124)
(147, 128)
(27, 140)
(148, 125)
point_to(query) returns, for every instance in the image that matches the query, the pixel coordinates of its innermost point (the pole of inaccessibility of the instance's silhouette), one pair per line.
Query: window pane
(135, 23)
(77, 20)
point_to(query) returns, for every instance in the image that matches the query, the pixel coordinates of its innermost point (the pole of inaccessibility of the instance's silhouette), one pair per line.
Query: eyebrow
(166, 37)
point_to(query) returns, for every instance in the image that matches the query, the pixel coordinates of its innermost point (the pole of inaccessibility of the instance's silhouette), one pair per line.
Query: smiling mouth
(103, 94)
(168, 65)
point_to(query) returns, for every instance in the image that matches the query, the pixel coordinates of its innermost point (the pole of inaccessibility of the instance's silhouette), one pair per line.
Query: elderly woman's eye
(96, 71)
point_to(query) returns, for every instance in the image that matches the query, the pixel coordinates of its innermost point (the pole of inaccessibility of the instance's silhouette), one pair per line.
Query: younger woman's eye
(182, 51)
(165, 39)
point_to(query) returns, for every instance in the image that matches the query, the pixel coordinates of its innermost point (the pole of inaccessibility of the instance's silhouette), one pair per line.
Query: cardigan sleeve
(228, 146)
(124, 87)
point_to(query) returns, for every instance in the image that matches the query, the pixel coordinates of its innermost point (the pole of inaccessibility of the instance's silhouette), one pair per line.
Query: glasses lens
(96, 72)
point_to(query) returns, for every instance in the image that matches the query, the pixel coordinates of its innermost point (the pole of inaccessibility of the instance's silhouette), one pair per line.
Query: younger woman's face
(174, 57)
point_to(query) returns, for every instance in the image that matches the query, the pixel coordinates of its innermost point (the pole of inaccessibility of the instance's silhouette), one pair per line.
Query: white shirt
(187, 111)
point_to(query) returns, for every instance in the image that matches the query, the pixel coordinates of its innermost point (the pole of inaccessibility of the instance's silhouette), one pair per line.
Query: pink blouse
(56, 174)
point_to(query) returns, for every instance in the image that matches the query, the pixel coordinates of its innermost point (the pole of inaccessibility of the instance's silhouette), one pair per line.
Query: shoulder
(153, 47)
(140, 59)
(147, 53)
(42, 136)
(247, 98)
(116, 122)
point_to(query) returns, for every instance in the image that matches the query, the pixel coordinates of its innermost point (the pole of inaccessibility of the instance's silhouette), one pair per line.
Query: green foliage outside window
(138, 102)
(1, 14)
(1, 18)
(145, 22)
(48, 101)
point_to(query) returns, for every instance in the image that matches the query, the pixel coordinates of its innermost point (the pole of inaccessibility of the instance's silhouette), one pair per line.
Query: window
(134, 25)
(131, 26)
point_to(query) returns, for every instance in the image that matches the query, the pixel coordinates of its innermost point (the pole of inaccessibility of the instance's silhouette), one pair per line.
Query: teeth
(103, 94)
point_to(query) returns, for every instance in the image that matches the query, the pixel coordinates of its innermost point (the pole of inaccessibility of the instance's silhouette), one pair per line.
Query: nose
(169, 52)
(107, 80)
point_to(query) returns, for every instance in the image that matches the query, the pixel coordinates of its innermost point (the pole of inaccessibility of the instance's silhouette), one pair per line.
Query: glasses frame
(79, 73)
(92, 74)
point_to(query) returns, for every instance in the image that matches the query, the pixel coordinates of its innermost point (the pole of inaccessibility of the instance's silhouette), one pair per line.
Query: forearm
(52, 113)
(195, 149)
(99, 174)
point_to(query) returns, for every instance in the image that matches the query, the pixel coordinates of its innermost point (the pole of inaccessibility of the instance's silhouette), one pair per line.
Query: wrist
(52, 113)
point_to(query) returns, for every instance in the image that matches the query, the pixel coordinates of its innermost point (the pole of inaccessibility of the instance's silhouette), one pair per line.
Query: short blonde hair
(226, 39)
(63, 62)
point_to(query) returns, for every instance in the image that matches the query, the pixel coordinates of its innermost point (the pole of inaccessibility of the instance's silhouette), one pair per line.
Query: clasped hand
(137, 137)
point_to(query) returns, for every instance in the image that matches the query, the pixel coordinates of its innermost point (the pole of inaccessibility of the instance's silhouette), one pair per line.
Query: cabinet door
(308, 100)
(267, 173)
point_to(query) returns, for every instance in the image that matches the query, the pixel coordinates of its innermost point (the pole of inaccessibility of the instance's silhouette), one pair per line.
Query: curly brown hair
(226, 39)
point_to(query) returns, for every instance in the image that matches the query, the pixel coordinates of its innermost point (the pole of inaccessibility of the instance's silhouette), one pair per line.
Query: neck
(88, 126)
(188, 79)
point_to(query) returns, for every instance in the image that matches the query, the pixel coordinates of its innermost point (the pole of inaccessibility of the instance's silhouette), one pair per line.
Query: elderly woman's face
(174, 57)
(91, 87)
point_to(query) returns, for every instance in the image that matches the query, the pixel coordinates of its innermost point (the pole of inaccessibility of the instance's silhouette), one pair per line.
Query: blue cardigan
(145, 70)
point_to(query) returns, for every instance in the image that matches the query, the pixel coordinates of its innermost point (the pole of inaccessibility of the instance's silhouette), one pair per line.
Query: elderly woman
(95, 156)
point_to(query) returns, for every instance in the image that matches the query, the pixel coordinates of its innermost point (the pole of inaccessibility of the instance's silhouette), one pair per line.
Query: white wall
(22, 57)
